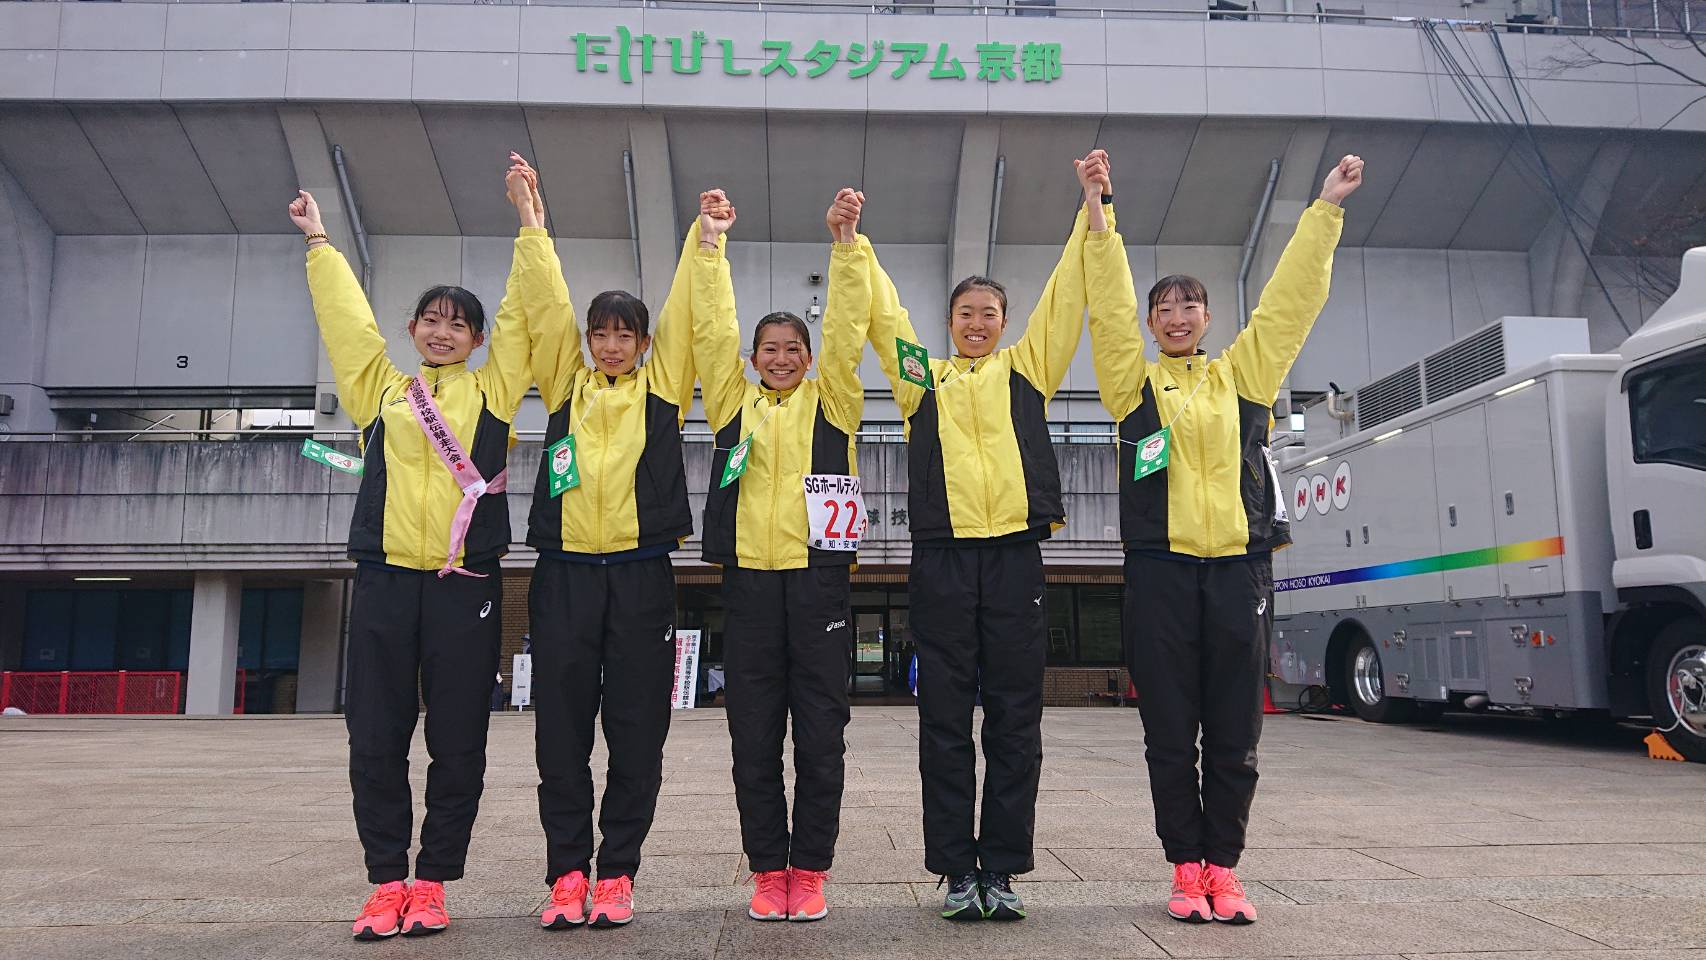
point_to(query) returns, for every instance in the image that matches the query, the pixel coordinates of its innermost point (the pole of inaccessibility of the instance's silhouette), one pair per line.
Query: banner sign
(686, 693)
(647, 53)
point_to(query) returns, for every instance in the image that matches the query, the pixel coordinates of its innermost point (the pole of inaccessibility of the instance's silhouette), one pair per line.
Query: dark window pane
(284, 629)
(1099, 625)
(144, 625)
(47, 630)
(1667, 409)
(94, 640)
(252, 629)
(1060, 645)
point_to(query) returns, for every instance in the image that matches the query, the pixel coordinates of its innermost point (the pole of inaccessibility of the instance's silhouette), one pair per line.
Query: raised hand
(1095, 174)
(716, 215)
(305, 213)
(1342, 180)
(521, 183)
(843, 215)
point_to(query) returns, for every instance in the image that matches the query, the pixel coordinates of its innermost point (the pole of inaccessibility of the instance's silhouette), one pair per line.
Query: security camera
(814, 279)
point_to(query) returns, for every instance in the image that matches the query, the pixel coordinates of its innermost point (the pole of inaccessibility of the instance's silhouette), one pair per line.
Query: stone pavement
(1477, 838)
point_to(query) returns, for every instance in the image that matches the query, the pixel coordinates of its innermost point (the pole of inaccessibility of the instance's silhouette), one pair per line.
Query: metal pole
(633, 220)
(995, 213)
(1255, 237)
(354, 220)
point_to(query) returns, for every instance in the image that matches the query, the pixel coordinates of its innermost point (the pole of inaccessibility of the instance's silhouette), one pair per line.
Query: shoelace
(564, 890)
(426, 896)
(617, 889)
(1221, 883)
(812, 880)
(1189, 884)
(383, 899)
(772, 883)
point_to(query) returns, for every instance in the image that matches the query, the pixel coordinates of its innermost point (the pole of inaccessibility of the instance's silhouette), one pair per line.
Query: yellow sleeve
(669, 369)
(551, 325)
(1044, 353)
(889, 321)
(716, 336)
(352, 336)
(505, 376)
(1262, 355)
(846, 316)
(1116, 331)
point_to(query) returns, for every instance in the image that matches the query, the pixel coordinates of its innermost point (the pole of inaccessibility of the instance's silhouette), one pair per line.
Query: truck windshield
(1667, 410)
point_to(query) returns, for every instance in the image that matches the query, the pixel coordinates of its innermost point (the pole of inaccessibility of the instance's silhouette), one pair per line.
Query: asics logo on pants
(485, 610)
(836, 625)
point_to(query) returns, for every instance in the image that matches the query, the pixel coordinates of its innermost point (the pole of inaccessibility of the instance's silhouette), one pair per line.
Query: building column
(319, 665)
(654, 193)
(26, 273)
(214, 621)
(974, 200)
(311, 156)
(1570, 265)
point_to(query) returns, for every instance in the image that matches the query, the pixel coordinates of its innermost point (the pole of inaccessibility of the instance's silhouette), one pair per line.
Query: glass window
(47, 630)
(1099, 625)
(284, 629)
(1667, 411)
(145, 626)
(94, 634)
(1060, 632)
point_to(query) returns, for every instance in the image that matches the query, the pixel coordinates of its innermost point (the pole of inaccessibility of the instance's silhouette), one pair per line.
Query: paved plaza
(1479, 837)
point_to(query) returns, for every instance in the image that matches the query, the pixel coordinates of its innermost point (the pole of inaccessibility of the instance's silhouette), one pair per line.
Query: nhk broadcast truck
(1511, 522)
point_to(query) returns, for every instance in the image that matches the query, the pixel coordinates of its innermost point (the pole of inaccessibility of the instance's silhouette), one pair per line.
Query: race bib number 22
(835, 511)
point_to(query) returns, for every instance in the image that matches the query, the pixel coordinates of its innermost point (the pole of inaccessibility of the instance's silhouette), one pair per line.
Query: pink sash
(457, 461)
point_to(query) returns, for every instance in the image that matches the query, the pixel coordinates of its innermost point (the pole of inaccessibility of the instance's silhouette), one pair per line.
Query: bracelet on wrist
(310, 238)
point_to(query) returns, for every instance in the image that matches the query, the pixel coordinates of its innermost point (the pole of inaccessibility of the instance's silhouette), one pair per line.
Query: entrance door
(870, 660)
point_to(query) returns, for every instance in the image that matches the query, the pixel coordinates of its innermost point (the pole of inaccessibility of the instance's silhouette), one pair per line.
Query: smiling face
(781, 351)
(977, 315)
(616, 336)
(1178, 314)
(448, 325)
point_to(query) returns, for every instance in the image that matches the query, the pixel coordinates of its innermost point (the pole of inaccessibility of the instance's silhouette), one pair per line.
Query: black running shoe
(964, 902)
(999, 900)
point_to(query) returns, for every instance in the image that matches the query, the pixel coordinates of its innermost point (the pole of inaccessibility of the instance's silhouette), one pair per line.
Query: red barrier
(104, 691)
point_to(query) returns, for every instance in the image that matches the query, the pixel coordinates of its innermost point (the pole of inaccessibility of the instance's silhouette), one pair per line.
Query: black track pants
(786, 649)
(979, 612)
(603, 637)
(1196, 637)
(411, 633)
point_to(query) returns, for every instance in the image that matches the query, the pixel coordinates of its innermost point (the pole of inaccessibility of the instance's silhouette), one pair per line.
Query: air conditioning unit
(1509, 343)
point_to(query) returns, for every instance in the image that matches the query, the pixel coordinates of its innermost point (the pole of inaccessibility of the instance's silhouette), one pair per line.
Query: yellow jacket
(633, 488)
(1218, 496)
(407, 497)
(980, 464)
(759, 522)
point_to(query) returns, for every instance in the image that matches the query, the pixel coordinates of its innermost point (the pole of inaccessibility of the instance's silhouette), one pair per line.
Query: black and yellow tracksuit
(983, 492)
(787, 639)
(1198, 534)
(409, 628)
(602, 602)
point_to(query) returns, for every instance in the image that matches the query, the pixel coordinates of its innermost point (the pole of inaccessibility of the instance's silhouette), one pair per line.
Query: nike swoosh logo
(1170, 386)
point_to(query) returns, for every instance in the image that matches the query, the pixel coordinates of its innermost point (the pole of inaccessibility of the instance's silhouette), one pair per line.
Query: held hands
(1095, 175)
(843, 216)
(305, 213)
(1342, 180)
(716, 216)
(521, 183)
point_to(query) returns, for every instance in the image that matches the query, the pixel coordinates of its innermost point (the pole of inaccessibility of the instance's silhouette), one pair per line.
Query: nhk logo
(1321, 492)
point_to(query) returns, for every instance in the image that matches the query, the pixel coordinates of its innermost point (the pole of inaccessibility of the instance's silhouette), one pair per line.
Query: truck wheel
(1368, 694)
(1676, 686)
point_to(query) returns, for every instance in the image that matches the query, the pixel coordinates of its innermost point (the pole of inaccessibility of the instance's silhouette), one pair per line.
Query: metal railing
(1569, 17)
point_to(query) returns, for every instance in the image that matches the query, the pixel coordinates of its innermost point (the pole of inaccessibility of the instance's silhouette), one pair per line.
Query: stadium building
(160, 362)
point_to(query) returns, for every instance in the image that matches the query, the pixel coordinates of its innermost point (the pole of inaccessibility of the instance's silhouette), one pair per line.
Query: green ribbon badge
(565, 469)
(737, 461)
(1153, 452)
(320, 453)
(914, 362)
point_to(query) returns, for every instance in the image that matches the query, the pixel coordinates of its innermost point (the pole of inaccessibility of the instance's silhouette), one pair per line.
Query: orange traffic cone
(1268, 699)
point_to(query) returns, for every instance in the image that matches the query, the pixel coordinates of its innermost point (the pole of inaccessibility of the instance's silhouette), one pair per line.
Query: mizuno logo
(836, 625)
(1038, 601)
(485, 609)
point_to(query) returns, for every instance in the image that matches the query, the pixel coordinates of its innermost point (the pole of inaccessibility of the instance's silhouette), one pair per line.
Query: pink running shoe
(425, 912)
(612, 902)
(805, 894)
(1189, 901)
(1227, 896)
(568, 903)
(382, 914)
(770, 900)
